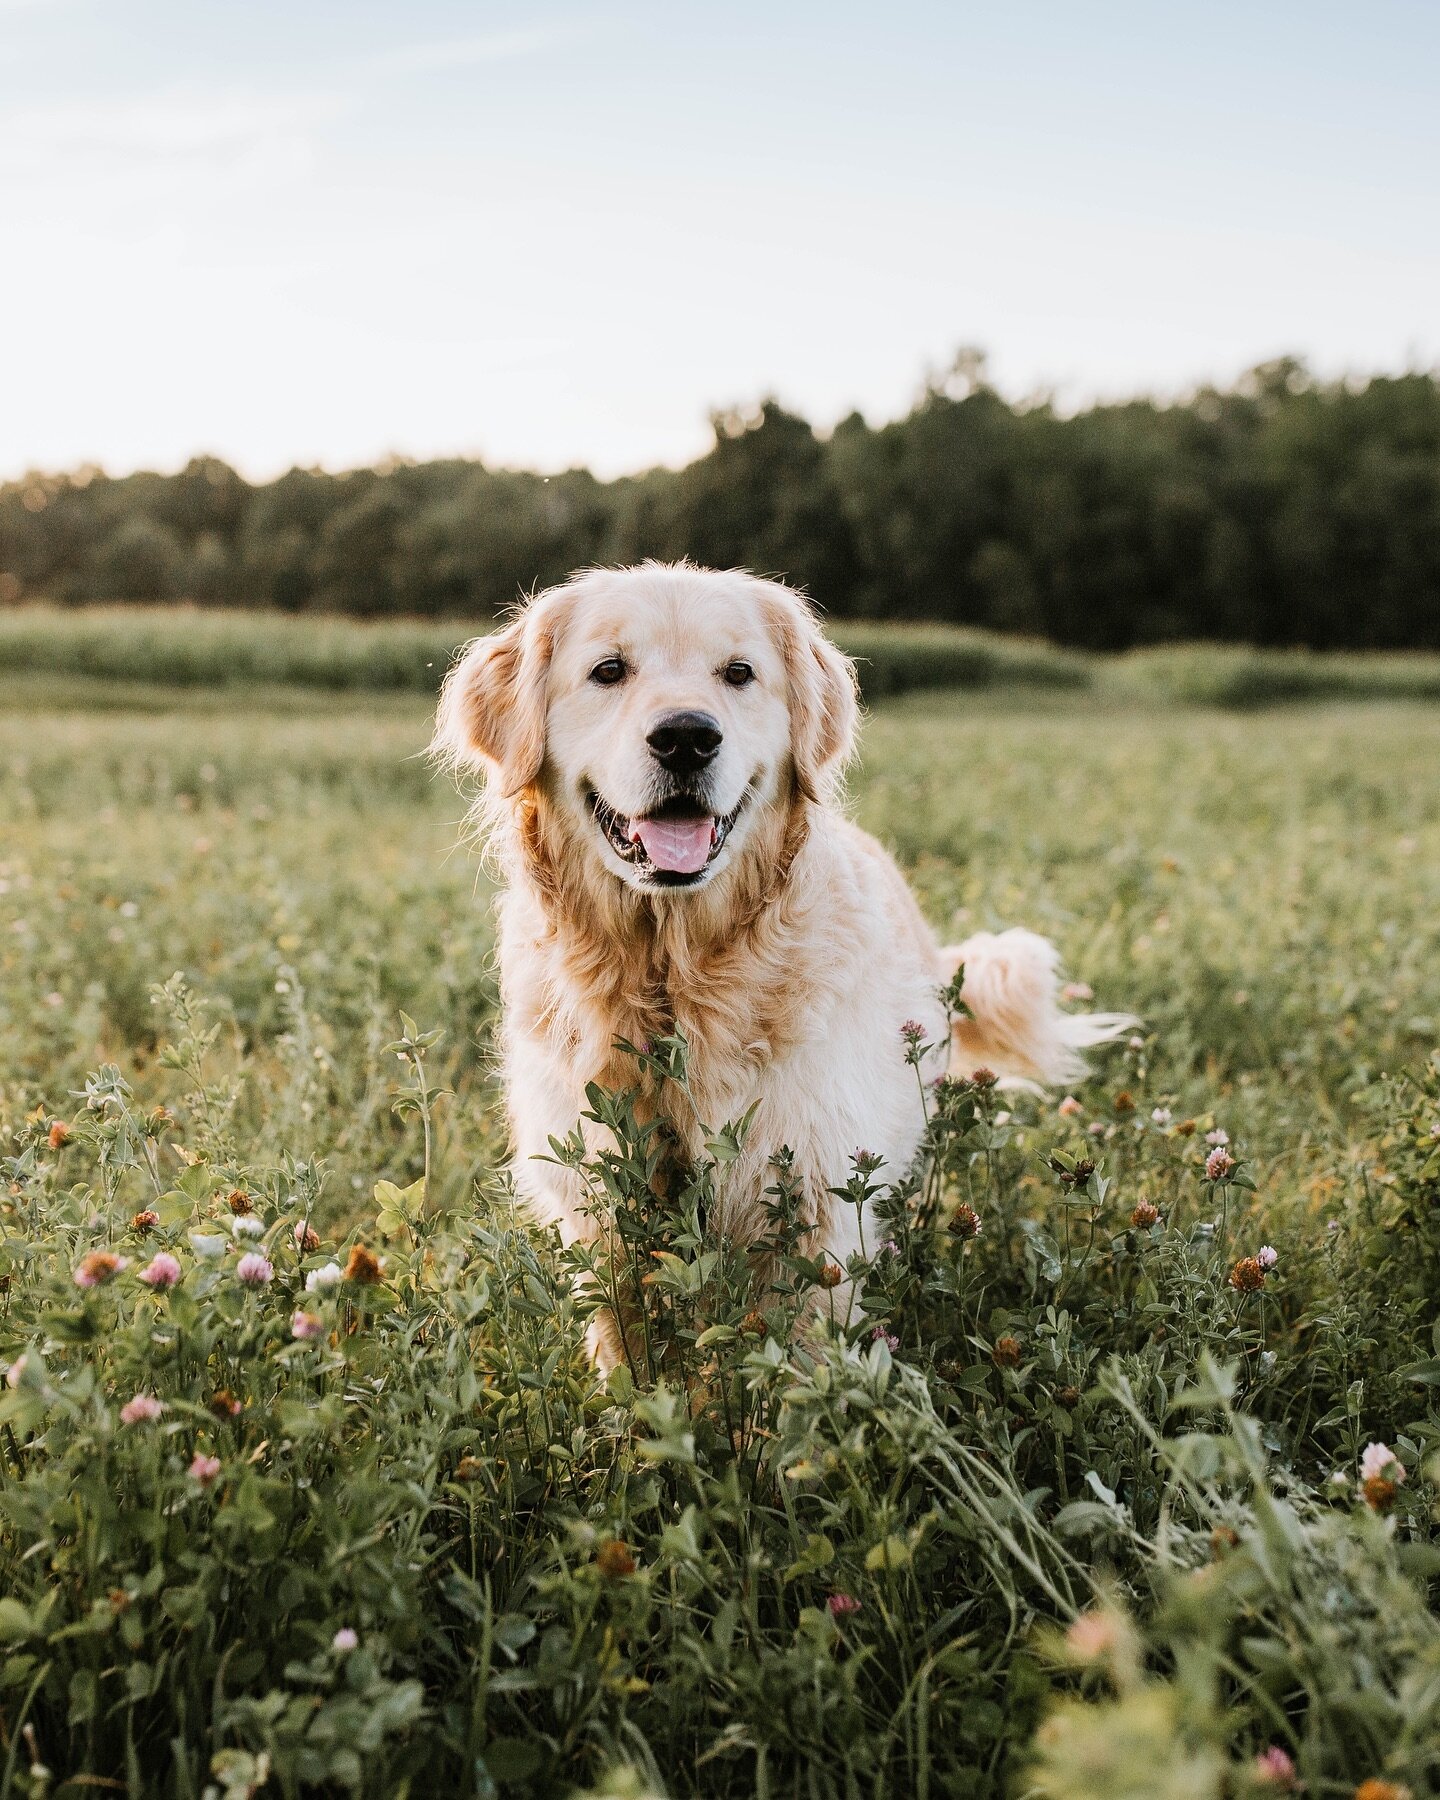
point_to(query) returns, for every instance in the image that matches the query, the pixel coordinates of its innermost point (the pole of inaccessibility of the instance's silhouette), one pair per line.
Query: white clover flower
(1162, 1115)
(1267, 1256)
(1217, 1137)
(246, 1225)
(328, 1275)
(1380, 1460)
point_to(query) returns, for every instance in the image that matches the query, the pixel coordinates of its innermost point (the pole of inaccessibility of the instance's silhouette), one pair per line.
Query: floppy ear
(492, 707)
(823, 708)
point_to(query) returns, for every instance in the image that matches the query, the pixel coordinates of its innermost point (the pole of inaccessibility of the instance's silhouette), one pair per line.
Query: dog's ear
(492, 707)
(824, 712)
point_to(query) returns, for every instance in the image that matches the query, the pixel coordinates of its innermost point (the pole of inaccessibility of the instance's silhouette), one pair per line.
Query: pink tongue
(680, 846)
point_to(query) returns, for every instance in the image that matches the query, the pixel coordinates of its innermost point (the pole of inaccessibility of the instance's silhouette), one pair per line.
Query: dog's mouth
(673, 844)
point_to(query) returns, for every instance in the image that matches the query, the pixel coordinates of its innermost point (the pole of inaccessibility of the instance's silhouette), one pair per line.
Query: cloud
(469, 52)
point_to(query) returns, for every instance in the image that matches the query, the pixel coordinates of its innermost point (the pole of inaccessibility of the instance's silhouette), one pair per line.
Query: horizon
(335, 239)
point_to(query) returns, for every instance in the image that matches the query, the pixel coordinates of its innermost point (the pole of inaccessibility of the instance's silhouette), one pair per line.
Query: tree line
(1285, 510)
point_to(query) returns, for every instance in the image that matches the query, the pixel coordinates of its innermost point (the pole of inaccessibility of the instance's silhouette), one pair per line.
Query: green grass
(1259, 886)
(178, 649)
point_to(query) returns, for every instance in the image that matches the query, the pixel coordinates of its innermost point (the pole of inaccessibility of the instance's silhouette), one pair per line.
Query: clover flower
(1273, 1768)
(1092, 1636)
(145, 1221)
(240, 1202)
(362, 1266)
(306, 1237)
(328, 1275)
(1378, 1789)
(1218, 1164)
(1069, 1107)
(1267, 1256)
(99, 1267)
(1248, 1275)
(1217, 1137)
(1380, 1459)
(143, 1409)
(614, 1559)
(254, 1270)
(1006, 1353)
(58, 1135)
(161, 1272)
(965, 1222)
(304, 1325)
(246, 1225)
(831, 1275)
(983, 1078)
(881, 1336)
(842, 1606)
(204, 1468)
(15, 1374)
(1162, 1115)
(344, 1641)
(1146, 1214)
(912, 1031)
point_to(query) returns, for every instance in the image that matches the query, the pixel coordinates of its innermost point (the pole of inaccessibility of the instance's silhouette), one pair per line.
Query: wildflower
(1377, 1789)
(99, 1267)
(1380, 1492)
(240, 1202)
(1186, 1128)
(1096, 1129)
(204, 1468)
(1069, 1107)
(1135, 1043)
(1161, 1115)
(1267, 1256)
(1124, 1101)
(881, 1336)
(866, 1161)
(1092, 1636)
(58, 1135)
(1247, 1277)
(328, 1275)
(304, 1325)
(469, 1468)
(143, 1409)
(1006, 1353)
(224, 1405)
(344, 1641)
(1069, 1398)
(753, 1324)
(912, 1031)
(363, 1266)
(254, 1269)
(247, 1226)
(842, 1605)
(1273, 1768)
(965, 1222)
(1380, 1459)
(613, 1559)
(1217, 1137)
(1146, 1214)
(831, 1275)
(145, 1221)
(15, 1374)
(1077, 990)
(161, 1272)
(306, 1237)
(1218, 1164)
(983, 1078)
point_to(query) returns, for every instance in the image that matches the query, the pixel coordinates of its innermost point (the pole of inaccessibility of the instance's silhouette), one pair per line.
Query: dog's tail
(1015, 1025)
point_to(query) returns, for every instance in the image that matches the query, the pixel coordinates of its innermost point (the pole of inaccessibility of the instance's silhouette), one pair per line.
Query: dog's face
(662, 711)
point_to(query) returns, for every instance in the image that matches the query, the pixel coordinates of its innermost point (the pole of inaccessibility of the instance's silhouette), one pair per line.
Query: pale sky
(299, 231)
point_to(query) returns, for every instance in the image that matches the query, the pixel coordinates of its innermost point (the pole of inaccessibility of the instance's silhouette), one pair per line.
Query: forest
(1285, 510)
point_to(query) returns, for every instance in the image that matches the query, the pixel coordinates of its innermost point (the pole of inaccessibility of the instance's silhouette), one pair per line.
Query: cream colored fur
(794, 963)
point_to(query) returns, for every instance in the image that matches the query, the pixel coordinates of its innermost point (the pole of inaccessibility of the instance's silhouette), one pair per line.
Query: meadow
(307, 1486)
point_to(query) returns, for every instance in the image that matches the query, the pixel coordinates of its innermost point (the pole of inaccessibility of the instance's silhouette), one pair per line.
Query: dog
(663, 749)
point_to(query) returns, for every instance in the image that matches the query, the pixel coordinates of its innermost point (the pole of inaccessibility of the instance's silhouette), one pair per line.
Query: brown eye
(739, 674)
(610, 671)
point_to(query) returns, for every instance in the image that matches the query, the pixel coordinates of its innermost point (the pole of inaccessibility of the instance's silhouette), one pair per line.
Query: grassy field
(1081, 1414)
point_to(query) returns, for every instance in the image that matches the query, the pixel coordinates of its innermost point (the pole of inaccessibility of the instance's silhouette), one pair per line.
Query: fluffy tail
(1016, 1026)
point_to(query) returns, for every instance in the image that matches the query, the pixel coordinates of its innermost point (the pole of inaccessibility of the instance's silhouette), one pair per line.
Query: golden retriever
(662, 749)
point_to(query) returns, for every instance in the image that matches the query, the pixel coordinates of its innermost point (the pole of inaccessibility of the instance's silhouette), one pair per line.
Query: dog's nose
(683, 742)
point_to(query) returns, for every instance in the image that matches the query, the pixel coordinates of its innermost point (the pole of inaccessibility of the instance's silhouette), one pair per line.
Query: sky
(299, 232)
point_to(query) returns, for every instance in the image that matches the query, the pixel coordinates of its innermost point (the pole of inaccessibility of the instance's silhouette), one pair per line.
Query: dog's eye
(610, 671)
(739, 674)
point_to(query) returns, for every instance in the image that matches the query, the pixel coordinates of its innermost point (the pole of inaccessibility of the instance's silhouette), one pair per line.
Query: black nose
(683, 742)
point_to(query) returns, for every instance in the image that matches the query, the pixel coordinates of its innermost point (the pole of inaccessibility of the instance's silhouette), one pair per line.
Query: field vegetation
(1123, 1483)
